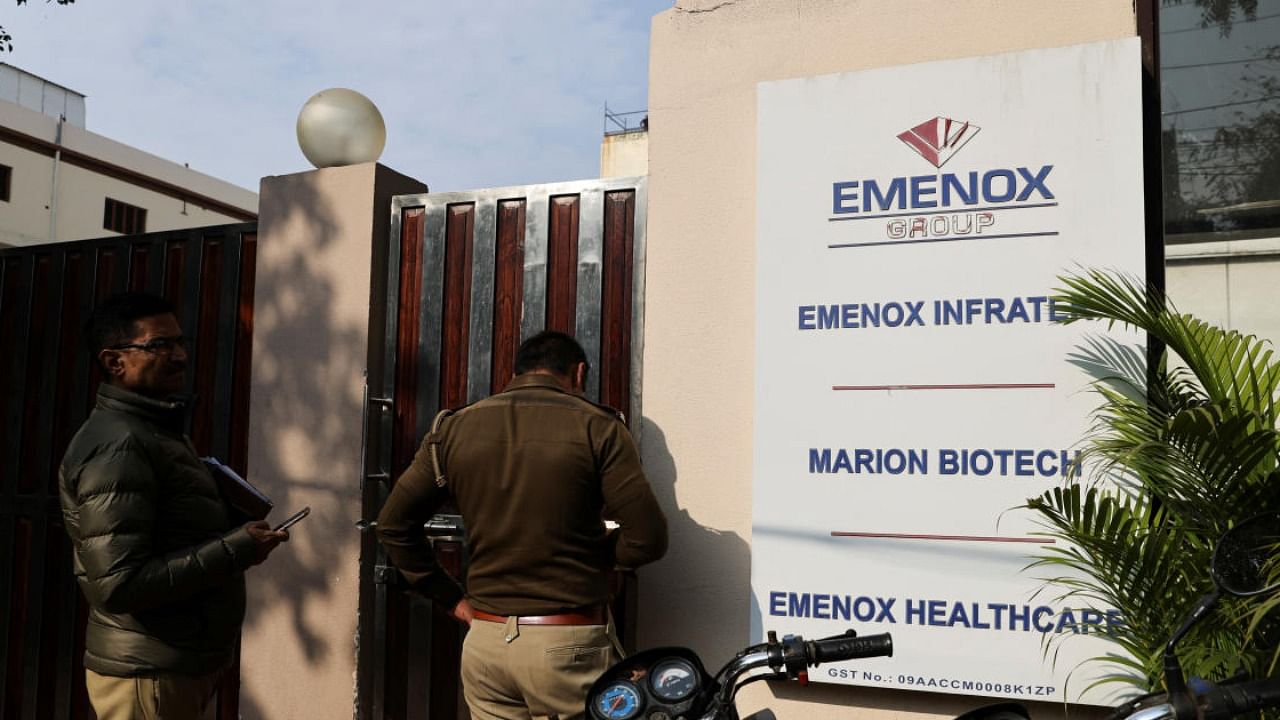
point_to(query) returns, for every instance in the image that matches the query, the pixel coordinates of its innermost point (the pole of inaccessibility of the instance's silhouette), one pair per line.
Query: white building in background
(58, 181)
(624, 152)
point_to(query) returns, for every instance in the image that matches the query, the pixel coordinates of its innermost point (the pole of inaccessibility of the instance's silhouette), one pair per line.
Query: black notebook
(239, 494)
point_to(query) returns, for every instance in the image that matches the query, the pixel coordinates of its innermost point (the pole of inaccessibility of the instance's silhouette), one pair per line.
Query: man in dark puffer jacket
(157, 552)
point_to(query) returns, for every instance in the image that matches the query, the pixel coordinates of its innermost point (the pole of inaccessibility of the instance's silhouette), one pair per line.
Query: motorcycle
(671, 682)
(1240, 563)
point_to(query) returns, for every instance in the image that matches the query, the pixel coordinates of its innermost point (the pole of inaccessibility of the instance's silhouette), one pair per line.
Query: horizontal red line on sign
(959, 538)
(963, 386)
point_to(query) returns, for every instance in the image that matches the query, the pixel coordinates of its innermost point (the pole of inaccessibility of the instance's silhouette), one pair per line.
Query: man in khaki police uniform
(535, 470)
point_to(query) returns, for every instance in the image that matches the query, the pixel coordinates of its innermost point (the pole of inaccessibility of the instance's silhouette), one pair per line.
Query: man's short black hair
(549, 350)
(112, 322)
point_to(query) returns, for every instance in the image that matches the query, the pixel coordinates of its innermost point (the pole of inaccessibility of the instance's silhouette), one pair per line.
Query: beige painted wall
(625, 154)
(706, 57)
(322, 237)
(1230, 284)
(81, 193)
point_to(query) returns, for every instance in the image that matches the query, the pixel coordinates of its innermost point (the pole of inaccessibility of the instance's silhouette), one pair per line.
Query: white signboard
(911, 386)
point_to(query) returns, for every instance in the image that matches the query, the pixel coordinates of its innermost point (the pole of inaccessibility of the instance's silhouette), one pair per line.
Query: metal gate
(469, 276)
(47, 387)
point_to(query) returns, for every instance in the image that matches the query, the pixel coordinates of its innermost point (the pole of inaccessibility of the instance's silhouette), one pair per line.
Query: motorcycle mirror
(1245, 554)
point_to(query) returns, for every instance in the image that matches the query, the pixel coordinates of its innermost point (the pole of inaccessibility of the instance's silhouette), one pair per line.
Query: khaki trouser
(165, 697)
(523, 672)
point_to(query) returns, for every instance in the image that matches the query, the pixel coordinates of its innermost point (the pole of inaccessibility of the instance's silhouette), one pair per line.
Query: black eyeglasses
(156, 345)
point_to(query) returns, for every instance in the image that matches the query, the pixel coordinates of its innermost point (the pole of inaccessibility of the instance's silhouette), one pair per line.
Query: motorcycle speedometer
(620, 700)
(673, 680)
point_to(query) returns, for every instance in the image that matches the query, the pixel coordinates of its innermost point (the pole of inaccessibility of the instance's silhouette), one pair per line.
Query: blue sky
(477, 93)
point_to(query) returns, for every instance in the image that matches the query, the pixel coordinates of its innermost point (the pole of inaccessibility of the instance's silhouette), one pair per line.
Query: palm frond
(1175, 455)
(1228, 365)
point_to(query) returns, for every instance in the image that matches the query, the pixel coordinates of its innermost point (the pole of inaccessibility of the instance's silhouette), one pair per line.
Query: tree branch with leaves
(6, 40)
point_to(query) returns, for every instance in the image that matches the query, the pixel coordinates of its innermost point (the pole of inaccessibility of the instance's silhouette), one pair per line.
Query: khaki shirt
(535, 471)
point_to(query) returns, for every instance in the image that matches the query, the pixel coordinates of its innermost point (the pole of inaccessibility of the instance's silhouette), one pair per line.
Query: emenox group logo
(937, 140)
(944, 206)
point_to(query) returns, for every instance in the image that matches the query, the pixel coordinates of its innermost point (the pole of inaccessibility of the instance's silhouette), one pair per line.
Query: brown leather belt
(587, 616)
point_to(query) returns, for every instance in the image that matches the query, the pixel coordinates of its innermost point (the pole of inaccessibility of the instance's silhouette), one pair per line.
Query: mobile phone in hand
(293, 519)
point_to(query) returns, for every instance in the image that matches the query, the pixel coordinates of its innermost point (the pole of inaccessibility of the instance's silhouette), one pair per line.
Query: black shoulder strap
(433, 440)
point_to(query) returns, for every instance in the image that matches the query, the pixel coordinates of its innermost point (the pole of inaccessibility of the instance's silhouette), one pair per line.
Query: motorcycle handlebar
(1228, 701)
(1220, 702)
(793, 655)
(843, 647)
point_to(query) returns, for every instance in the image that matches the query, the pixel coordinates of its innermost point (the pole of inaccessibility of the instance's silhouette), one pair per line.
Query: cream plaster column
(322, 239)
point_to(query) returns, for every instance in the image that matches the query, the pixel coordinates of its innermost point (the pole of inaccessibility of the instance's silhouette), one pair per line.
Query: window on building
(1220, 119)
(124, 218)
(6, 176)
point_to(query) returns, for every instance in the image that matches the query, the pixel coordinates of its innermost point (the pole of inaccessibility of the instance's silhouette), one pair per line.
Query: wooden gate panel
(70, 406)
(37, 384)
(508, 292)
(145, 269)
(562, 264)
(110, 278)
(456, 310)
(175, 265)
(616, 300)
(14, 336)
(203, 367)
(409, 302)
(242, 353)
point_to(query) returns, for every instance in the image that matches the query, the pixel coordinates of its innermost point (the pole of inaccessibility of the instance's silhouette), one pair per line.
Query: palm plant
(1176, 455)
(1262, 615)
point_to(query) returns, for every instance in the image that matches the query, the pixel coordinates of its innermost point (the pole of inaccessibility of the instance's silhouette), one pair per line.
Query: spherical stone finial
(339, 127)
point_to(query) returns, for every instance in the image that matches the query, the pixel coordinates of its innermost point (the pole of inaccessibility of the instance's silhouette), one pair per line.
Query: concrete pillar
(322, 239)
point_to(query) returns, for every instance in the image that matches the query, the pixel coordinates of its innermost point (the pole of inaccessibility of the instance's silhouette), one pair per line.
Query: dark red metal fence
(47, 387)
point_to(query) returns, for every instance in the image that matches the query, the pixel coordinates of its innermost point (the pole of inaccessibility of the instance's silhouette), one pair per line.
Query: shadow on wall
(303, 404)
(702, 562)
